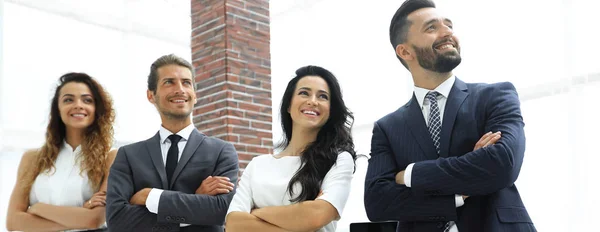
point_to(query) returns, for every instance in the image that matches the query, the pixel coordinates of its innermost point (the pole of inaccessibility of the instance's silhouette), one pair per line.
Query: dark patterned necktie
(434, 122)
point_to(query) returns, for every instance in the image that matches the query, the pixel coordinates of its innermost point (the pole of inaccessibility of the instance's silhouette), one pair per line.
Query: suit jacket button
(441, 225)
(182, 219)
(168, 218)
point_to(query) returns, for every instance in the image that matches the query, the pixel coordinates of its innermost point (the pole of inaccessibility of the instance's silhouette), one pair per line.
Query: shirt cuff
(408, 175)
(458, 200)
(153, 199)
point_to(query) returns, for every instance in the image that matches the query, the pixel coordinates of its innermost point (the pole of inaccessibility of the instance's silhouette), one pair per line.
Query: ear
(150, 96)
(403, 52)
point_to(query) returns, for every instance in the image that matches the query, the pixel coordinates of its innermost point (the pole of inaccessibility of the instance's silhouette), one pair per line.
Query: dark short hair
(163, 61)
(400, 23)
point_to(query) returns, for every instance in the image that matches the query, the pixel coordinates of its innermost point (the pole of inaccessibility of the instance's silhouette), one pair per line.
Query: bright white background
(547, 48)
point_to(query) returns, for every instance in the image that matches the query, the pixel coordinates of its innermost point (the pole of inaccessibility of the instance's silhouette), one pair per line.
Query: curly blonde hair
(97, 140)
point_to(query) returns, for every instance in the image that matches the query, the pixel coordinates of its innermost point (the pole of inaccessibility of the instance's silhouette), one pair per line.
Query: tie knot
(174, 138)
(432, 95)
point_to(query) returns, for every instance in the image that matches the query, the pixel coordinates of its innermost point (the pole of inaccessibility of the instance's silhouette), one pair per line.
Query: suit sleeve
(485, 170)
(200, 209)
(386, 200)
(120, 215)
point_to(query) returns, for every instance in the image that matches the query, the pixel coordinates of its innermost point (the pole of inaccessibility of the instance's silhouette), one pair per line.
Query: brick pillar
(231, 56)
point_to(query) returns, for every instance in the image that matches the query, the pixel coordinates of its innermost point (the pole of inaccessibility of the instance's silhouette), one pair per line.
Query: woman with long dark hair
(305, 187)
(62, 185)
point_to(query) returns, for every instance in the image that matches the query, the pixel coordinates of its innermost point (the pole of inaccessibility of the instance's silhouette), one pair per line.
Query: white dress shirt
(265, 181)
(420, 93)
(66, 185)
(154, 195)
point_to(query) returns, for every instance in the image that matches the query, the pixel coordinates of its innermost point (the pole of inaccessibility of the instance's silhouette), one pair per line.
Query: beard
(432, 60)
(170, 113)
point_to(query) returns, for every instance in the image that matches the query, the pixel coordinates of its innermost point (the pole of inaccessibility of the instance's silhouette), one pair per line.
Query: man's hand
(98, 199)
(140, 197)
(214, 185)
(400, 177)
(488, 139)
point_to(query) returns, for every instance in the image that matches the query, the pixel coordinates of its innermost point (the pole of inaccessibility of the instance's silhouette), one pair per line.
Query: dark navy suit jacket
(487, 175)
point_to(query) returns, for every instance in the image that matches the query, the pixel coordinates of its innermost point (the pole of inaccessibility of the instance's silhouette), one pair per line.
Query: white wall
(545, 47)
(114, 41)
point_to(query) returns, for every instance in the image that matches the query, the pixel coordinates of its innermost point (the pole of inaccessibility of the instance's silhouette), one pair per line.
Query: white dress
(65, 186)
(265, 180)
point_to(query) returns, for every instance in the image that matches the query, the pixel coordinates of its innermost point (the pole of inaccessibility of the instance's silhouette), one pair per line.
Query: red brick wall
(231, 55)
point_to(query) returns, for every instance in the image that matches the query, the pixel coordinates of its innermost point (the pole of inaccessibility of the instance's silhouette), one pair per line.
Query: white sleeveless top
(65, 186)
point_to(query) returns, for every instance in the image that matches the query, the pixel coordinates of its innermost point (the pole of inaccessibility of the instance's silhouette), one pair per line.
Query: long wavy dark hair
(333, 138)
(97, 140)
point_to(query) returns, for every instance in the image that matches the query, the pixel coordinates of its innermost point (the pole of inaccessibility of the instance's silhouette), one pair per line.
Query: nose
(312, 101)
(79, 104)
(447, 31)
(179, 89)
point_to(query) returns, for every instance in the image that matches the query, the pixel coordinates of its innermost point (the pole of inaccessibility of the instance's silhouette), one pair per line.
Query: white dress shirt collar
(444, 89)
(184, 133)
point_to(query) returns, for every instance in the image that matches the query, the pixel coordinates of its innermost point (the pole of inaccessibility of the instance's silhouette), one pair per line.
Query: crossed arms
(434, 182)
(126, 209)
(309, 215)
(46, 217)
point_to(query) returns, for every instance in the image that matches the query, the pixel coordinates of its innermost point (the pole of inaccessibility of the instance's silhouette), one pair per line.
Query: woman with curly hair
(62, 185)
(305, 187)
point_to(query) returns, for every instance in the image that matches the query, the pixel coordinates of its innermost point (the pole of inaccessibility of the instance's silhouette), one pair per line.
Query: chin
(79, 126)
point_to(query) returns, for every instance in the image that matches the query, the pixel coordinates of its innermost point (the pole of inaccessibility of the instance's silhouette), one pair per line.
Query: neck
(301, 137)
(74, 137)
(175, 125)
(429, 79)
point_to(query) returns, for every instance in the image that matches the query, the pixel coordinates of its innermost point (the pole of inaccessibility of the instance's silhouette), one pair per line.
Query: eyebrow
(172, 79)
(435, 20)
(71, 95)
(309, 89)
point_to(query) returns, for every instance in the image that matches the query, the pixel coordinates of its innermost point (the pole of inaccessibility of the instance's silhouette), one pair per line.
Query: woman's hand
(98, 199)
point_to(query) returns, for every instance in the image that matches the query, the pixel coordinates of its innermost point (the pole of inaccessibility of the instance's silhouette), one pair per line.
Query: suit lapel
(153, 146)
(417, 126)
(191, 146)
(457, 96)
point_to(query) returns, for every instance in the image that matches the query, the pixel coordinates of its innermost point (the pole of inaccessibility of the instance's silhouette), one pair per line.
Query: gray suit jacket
(140, 165)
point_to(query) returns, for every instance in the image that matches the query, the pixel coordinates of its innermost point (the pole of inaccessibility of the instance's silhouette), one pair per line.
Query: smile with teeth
(178, 101)
(310, 112)
(78, 115)
(444, 46)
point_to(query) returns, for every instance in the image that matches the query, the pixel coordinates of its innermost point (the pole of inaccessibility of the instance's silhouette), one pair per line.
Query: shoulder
(491, 88)
(214, 142)
(110, 158)
(30, 154)
(345, 159)
(28, 159)
(393, 117)
(130, 147)
(344, 156)
(259, 160)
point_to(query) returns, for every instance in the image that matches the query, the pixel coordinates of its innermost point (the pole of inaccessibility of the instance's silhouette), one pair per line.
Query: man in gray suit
(180, 179)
